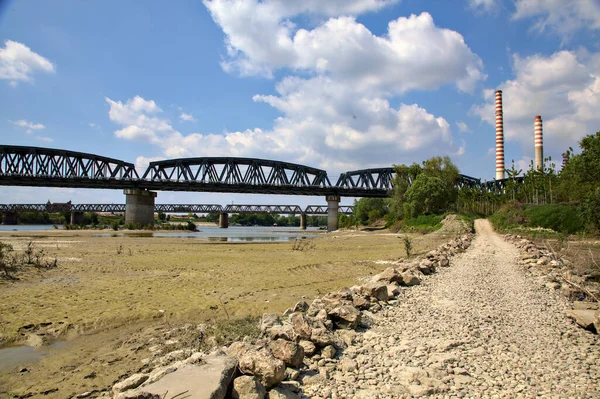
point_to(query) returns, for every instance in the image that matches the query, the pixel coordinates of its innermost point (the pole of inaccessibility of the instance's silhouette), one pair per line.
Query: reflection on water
(19, 355)
(232, 234)
(28, 227)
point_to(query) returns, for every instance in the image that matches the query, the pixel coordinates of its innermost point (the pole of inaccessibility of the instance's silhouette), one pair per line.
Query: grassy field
(109, 290)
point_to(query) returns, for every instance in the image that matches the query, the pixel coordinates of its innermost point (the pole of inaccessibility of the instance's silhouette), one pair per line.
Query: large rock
(290, 352)
(209, 380)
(300, 325)
(426, 267)
(308, 346)
(409, 279)
(360, 302)
(248, 387)
(585, 318)
(321, 337)
(282, 393)
(375, 290)
(262, 364)
(269, 320)
(597, 321)
(284, 331)
(130, 383)
(346, 316)
(389, 275)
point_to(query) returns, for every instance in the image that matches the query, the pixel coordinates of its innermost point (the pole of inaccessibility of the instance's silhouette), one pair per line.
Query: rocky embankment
(556, 273)
(455, 324)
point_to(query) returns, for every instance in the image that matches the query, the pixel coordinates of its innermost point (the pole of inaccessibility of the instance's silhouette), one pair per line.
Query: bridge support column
(303, 221)
(223, 220)
(333, 203)
(9, 218)
(76, 217)
(139, 206)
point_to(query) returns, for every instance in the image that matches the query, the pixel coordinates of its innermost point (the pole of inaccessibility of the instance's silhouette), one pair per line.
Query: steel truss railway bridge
(45, 167)
(77, 210)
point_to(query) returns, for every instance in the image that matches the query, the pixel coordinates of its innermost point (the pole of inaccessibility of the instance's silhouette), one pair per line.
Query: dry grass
(119, 292)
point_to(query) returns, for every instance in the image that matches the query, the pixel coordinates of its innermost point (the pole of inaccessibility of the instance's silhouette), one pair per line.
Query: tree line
(430, 188)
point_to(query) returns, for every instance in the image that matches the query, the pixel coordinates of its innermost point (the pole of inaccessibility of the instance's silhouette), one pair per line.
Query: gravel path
(482, 328)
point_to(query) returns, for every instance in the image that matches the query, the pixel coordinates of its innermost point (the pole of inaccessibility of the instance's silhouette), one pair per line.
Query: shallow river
(211, 233)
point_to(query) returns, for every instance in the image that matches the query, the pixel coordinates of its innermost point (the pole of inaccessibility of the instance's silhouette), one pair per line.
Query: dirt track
(481, 328)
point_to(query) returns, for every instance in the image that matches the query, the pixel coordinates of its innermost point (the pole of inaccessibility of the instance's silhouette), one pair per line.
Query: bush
(509, 215)
(423, 224)
(558, 217)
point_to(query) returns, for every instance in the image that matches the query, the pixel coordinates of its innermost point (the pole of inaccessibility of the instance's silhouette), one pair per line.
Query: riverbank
(111, 295)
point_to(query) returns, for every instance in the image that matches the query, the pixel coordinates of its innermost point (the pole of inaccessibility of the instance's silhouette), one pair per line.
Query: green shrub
(423, 224)
(558, 217)
(509, 215)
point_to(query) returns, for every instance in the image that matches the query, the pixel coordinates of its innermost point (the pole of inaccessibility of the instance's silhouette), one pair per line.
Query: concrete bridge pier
(139, 206)
(303, 221)
(223, 220)
(9, 218)
(76, 217)
(333, 203)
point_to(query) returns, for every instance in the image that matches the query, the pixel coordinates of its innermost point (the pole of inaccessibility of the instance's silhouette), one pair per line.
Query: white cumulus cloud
(187, 117)
(29, 126)
(19, 63)
(484, 5)
(560, 16)
(463, 127)
(414, 54)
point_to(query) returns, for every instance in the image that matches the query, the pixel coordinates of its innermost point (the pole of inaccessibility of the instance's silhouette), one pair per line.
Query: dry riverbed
(111, 295)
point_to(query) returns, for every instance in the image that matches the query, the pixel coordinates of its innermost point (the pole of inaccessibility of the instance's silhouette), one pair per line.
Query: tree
(581, 171)
(162, 216)
(435, 189)
(405, 176)
(426, 195)
(368, 210)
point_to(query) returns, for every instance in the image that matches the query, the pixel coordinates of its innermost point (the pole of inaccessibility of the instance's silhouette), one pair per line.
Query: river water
(210, 233)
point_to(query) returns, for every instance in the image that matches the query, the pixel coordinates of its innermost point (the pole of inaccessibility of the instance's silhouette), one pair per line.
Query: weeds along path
(480, 328)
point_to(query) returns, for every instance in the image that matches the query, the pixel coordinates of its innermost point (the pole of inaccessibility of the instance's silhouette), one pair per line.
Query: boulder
(410, 279)
(426, 267)
(301, 307)
(315, 307)
(585, 318)
(290, 352)
(321, 337)
(346, 316)
(262, 364)
(443, 261)
(237, 349)
(308, 346)
(269, 320)
(393, 290)
(375, 290)
(328, 352)
(248, 387)
(597, 321)
(209, 380)
(284, 331)
(300, 325)
(282, 393)
(130, 383)
(389, 275)
(360, 302)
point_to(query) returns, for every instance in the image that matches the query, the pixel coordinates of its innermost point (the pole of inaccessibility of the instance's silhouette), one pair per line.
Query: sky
(337, 84)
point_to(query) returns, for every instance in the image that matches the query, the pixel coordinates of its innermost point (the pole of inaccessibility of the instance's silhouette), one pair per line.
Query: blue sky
(337, 84)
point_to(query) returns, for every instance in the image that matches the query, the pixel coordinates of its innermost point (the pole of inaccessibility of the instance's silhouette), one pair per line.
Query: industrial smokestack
(499, 137)
(539, 143)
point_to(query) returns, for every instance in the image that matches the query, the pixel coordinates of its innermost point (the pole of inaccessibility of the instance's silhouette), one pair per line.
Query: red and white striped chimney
(539, 143)
(499, 137)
